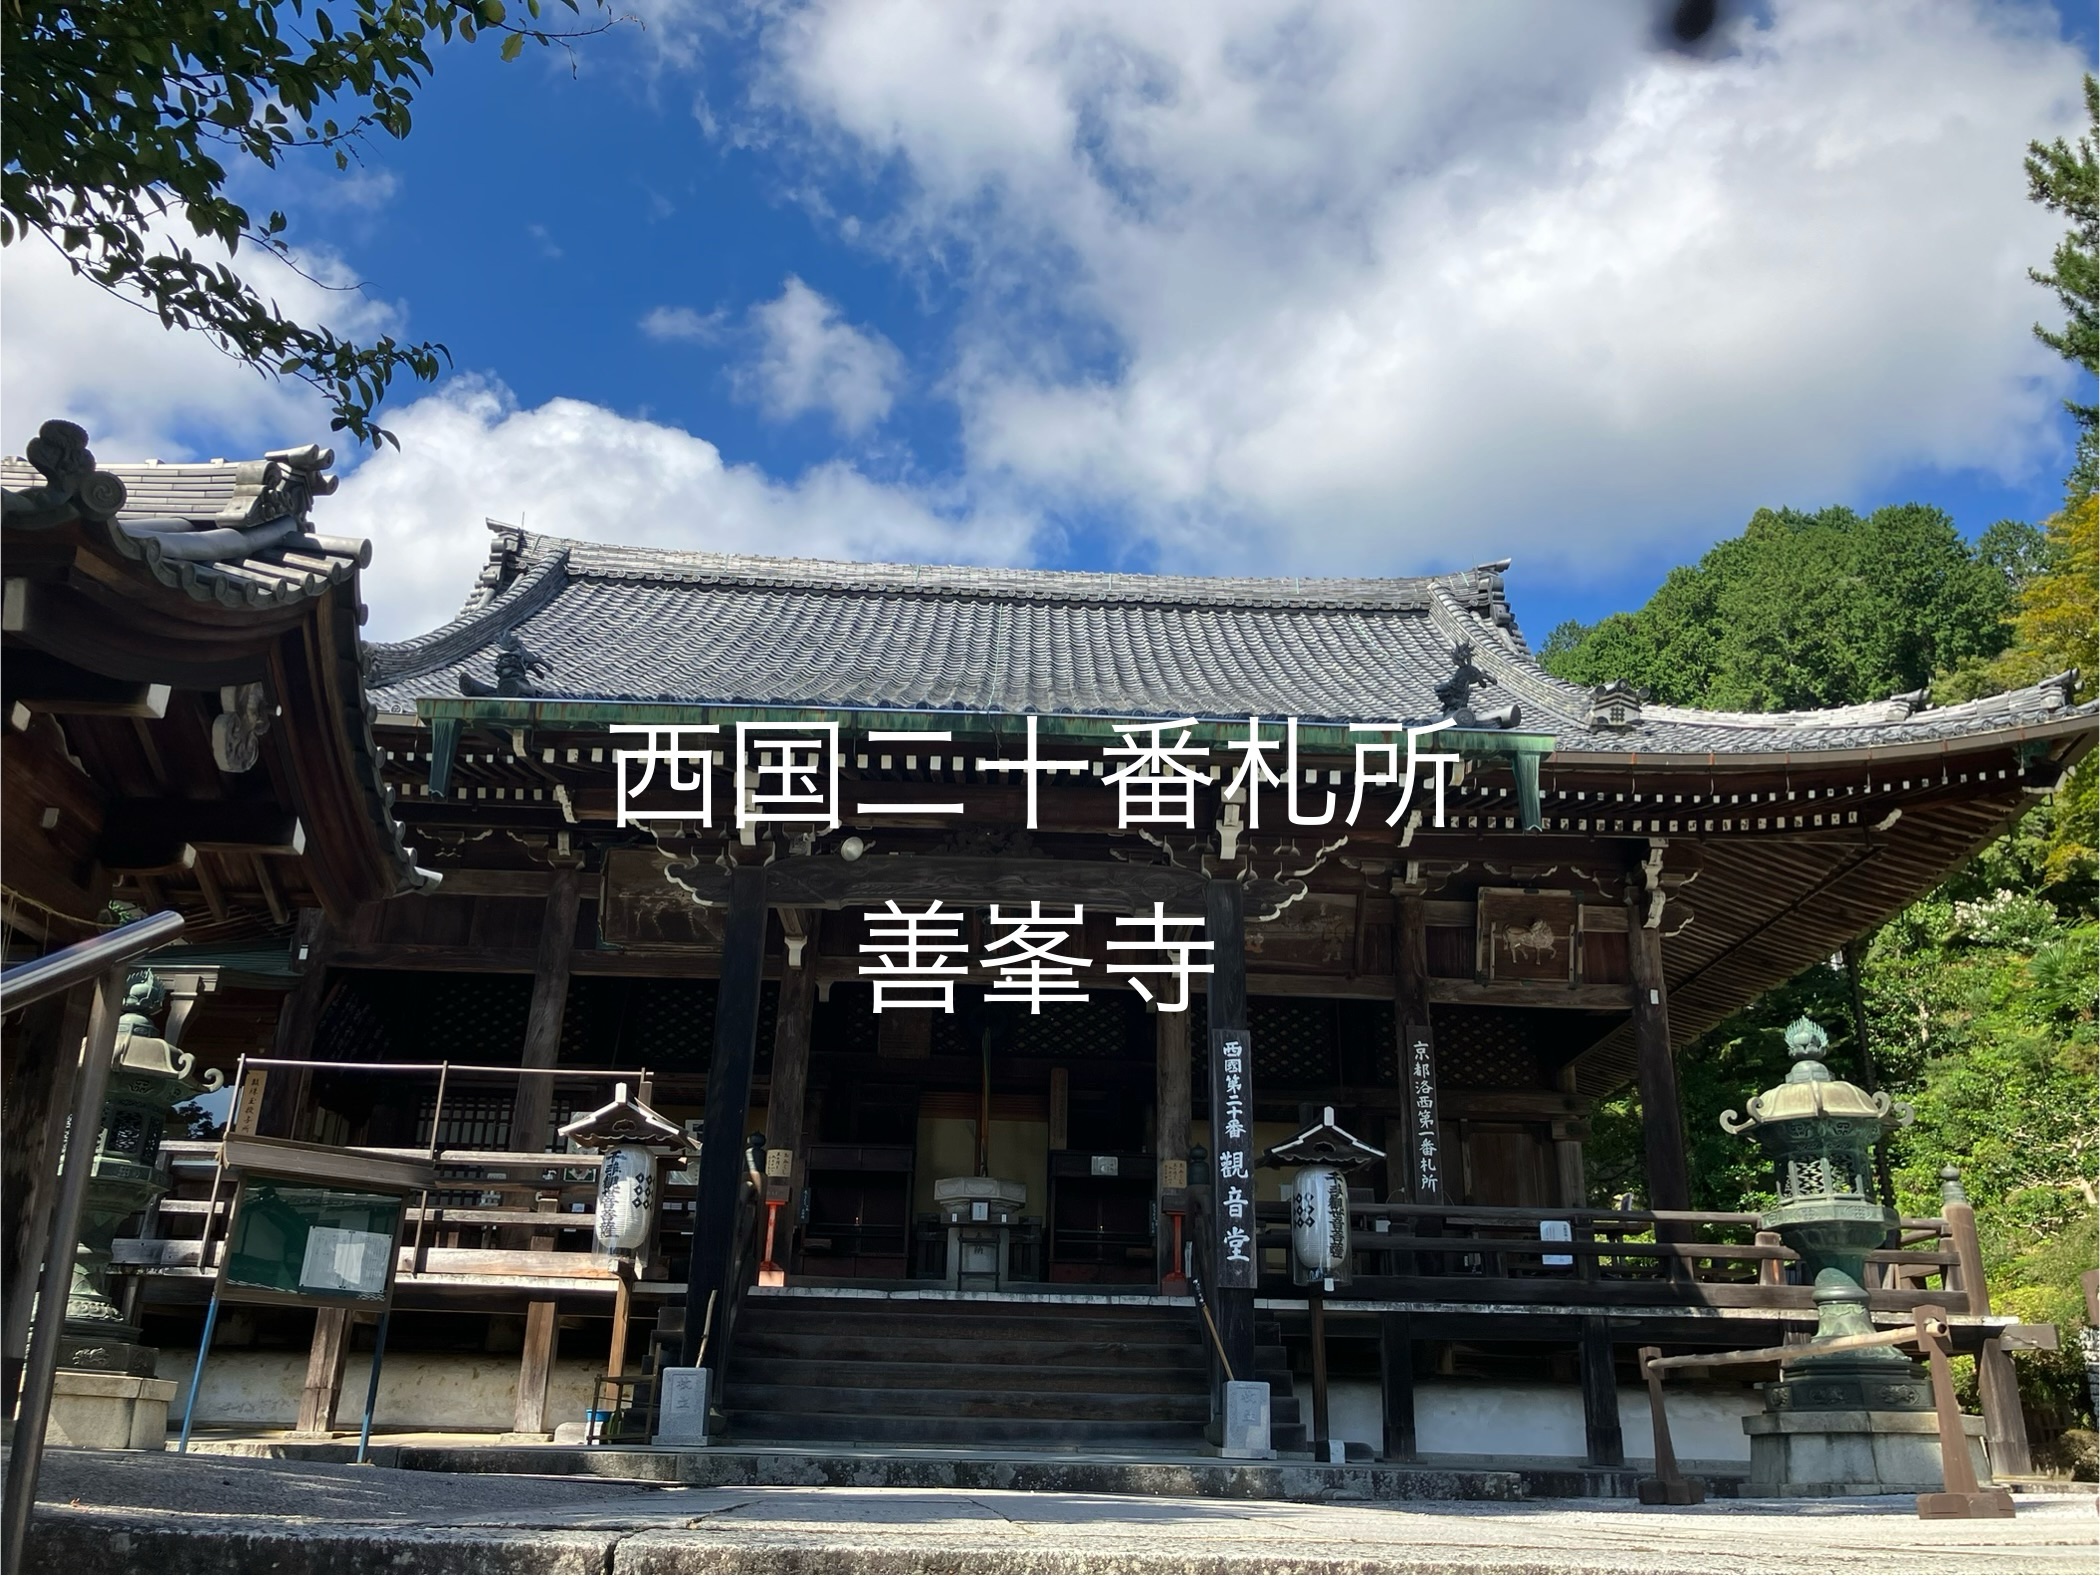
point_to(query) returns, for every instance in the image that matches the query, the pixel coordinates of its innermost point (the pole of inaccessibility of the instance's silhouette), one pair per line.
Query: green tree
(2065, 180)
(116, 118)
(1807, 610)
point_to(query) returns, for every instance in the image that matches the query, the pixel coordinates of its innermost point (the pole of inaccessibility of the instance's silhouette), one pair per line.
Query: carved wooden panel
(1316, 934)
(1528, 935)
(639, 907)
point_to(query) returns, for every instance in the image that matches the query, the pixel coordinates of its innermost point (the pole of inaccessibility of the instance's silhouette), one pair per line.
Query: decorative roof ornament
(1456, 691)
(1616, 705)
(1325, 1143)
(73, 487)
(625, 1122)
(236, 733)
(516, 667)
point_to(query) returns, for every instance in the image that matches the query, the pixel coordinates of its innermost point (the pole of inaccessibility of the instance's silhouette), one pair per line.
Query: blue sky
(1209, 287)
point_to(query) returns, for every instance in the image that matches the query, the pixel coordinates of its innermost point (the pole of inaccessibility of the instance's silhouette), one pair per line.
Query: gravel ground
(123, 1511)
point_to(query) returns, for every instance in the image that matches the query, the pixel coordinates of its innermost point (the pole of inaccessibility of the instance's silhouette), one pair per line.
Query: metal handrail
(102, 959)
(30, 982)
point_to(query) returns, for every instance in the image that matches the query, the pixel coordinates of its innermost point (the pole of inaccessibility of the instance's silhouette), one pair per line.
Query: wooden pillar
(1997, 1386)
(1662, 1122)
(535, 1369)
(1396, 1367)
(722, 1160)
(1225, 927)
(1605, 1444)
(550, 997)
(325, 1361)
(287, 1090)
(787, 1095)
(1170, 1119)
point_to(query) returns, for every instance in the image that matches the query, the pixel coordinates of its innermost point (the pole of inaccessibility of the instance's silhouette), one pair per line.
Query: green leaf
(512, 45)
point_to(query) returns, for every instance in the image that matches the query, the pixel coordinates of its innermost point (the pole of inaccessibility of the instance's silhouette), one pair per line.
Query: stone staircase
(1055, 1372)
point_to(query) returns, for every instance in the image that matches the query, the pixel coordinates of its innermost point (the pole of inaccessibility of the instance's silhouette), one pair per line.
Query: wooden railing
(1611, 1255)
(455, 1229)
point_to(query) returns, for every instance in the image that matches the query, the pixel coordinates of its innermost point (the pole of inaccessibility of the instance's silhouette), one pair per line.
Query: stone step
(1067, 1406)
(855, 1345)
(962, 1374)
(970, 1431)
(1035, 1326)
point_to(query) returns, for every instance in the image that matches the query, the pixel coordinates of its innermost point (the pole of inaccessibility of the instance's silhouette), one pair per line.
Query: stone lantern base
(1812, 1454)
(105, 1411)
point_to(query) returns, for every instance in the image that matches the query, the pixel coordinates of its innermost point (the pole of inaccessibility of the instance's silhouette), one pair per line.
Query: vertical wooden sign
(1232, 1138)
(1424, 1139)
(247, 1107)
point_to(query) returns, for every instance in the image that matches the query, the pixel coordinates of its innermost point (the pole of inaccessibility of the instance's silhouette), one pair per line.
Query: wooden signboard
(1232, 1138)
(1525, 934)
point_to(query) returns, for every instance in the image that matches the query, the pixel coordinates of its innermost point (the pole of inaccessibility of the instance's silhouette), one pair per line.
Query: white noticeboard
(1556, 1231)
(339, 1260)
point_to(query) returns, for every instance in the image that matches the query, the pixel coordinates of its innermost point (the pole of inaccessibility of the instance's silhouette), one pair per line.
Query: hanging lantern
(626, 1197)
(1324, 1155)
(629, 1138)
(1319, 1224)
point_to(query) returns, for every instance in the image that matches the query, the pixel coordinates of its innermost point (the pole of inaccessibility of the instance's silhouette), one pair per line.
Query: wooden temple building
(436, 914)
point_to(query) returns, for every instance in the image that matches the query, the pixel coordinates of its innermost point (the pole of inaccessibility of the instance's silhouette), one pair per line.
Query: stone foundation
(1819, 1454)
(100, 1411)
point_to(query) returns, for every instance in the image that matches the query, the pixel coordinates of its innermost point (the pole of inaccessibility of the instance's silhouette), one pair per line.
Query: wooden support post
(1170, 1107)
(1225, 927)
(1998, 1387)
(623, 1306)
(1604, 1441)
(787, 1094)
(1962, 1496)
(1770, 1272)
(1668, 1486)
(1061, 1107)
(1396, 1367)
(1662, 1122)
(722, 1158)
(287, 1089)
(535, 1370)
(1317, 1307)
(325, 1360)
(550, 995)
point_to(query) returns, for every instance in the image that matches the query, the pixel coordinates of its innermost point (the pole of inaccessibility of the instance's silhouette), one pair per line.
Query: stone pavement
(143, 1512)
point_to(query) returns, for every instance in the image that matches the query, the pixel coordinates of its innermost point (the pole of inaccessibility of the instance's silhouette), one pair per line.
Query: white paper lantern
(1320, 1223)
(626, 1193)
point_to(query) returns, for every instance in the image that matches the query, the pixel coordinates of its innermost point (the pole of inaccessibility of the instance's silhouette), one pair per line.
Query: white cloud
(71, 350)
(1381, 286)
(811, 359)
(569, 468)
(669, 324)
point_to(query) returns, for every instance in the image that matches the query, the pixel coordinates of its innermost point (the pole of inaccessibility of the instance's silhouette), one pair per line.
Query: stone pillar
(722, 1161)
(1662, 1122)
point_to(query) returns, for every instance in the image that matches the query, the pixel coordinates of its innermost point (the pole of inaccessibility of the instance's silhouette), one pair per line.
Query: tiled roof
(639, 624)
(232, 532)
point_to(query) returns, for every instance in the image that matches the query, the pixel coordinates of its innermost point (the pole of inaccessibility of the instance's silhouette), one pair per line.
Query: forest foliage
(1980, 997)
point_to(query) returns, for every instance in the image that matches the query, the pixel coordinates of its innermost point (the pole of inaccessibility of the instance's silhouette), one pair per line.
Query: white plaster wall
(1456, 1418)
(418, 1391)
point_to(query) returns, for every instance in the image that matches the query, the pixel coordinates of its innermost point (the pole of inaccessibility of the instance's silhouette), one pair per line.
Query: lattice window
(453, 1017)
(1294, 1043)
(1100, 1028)
(474, 1119)
(1485, 1048)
